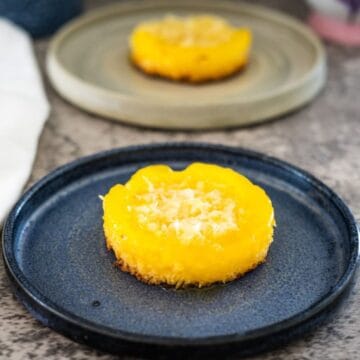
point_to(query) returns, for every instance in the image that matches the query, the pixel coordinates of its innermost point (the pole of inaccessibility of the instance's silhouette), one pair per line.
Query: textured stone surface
(323, 138)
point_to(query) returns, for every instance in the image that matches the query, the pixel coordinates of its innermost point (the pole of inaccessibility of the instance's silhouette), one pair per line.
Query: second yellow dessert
(197, 226)
(194, 48)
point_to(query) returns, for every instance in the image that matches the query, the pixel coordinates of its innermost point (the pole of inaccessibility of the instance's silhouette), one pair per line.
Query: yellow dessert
(197, 226)
(194, 48)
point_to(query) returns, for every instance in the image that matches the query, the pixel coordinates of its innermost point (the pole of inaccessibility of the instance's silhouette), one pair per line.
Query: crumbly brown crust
(187, 78)
(151, 281)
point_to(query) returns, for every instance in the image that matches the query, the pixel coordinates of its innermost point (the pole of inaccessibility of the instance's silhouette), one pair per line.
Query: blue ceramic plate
(55, 254)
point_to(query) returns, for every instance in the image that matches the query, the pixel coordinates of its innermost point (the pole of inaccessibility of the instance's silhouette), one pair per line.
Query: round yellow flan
(194, 48)
(197, 226)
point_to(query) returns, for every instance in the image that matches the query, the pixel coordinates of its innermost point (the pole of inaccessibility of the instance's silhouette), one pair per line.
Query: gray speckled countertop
(323, 138)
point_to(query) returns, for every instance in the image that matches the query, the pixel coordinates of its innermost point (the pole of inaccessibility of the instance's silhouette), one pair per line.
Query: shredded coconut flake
(187, 212)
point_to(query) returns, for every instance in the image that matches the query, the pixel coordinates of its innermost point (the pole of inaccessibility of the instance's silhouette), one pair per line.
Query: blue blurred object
(40, 17)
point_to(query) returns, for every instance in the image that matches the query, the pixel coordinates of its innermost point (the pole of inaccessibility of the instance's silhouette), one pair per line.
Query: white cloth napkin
(23, 111)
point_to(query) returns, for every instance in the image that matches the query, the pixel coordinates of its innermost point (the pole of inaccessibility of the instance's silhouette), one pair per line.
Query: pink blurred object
(336, 20)
(335, 30)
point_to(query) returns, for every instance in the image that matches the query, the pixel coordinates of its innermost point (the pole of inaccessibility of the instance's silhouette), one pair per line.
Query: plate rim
(21, 283)
(63, 80)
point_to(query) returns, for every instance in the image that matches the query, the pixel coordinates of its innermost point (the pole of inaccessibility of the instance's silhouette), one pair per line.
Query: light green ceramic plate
(88, 64)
